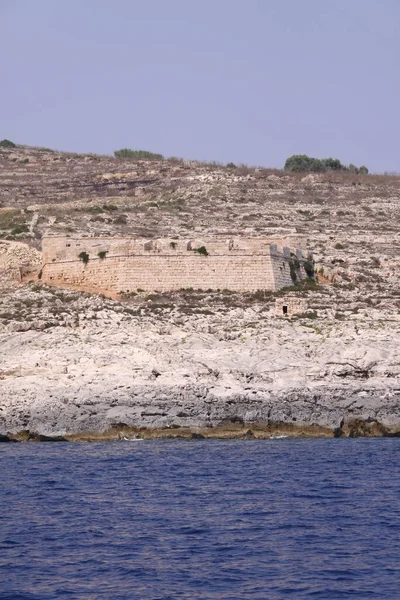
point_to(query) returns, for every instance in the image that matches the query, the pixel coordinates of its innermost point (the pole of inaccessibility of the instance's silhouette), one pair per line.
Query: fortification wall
(62, 248)
(165, 265)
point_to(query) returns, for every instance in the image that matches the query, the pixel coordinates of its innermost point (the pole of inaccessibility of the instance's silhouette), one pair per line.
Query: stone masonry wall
(290, 305)
(165, 265)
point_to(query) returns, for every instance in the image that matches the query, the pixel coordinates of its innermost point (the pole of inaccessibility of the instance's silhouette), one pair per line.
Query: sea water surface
(272, 519)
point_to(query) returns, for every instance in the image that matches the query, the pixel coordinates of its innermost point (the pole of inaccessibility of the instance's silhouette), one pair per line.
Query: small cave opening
(284, 310)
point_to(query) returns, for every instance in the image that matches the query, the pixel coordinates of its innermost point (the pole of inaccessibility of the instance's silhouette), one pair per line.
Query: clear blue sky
(249, 81)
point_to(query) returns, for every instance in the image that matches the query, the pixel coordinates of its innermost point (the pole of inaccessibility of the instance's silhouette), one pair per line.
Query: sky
(247, 81)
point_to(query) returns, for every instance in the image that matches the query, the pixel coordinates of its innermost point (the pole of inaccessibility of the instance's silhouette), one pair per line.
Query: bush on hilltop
(302, 163)
(299, 163)
(333, 164)
(7, 144)
(137, 154)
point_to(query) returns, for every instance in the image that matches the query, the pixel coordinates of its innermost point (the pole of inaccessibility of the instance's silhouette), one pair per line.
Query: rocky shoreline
(352, 429)
(78, 366)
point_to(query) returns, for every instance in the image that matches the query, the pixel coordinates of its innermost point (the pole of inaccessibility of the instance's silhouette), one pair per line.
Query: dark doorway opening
(284, 310)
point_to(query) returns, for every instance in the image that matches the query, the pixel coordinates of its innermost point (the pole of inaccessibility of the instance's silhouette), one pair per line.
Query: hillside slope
(71, 362)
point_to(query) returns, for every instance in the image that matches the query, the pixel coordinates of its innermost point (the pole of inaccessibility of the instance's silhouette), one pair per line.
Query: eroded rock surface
(83, 363)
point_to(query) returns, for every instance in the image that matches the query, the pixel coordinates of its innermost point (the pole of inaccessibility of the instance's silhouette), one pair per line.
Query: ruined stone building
(290, 305)
(128, 265)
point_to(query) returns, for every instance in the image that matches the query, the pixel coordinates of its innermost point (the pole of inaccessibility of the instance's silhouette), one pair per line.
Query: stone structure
(16, 257)
(290, 305)
(126, 264)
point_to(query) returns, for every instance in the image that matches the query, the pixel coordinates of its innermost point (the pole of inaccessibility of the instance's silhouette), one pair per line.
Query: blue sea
(202, 519)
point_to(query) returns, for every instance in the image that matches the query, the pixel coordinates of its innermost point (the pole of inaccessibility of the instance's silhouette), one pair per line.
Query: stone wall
(165, 265)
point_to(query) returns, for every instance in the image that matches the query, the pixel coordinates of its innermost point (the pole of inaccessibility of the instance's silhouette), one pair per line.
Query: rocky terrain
(198, 363)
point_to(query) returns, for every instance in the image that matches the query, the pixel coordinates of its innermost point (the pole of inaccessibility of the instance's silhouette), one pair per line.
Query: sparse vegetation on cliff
(12, 223)
(84, 257)
(309, 268)
(294, 266)
(202, 250)
(20, 229)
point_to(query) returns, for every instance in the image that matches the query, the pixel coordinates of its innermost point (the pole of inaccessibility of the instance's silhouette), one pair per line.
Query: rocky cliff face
(71, 362)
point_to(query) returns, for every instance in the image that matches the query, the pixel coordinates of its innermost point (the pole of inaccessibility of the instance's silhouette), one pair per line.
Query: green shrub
(20, 229)
(294, 266)
(110, 207)
(293, 272)
(333, 164)
(102, 254)
(137, 154)
(301, 162)
(231, 165)
(84, 257)
(172, 245)
(7, 144)
(202, 250)
(309, 268)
